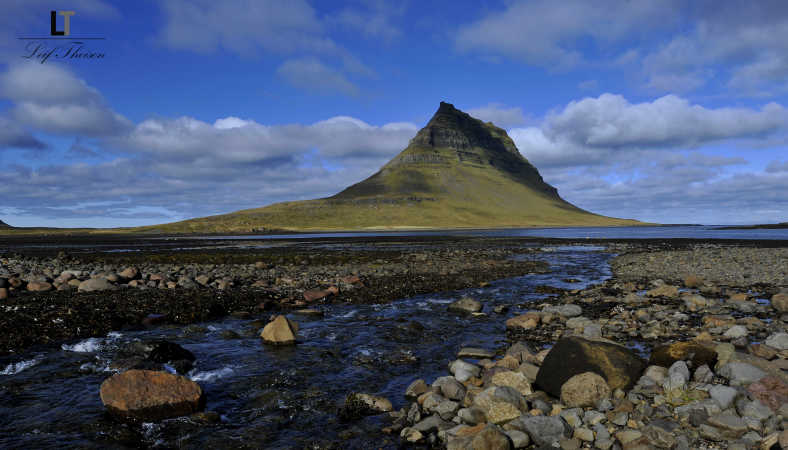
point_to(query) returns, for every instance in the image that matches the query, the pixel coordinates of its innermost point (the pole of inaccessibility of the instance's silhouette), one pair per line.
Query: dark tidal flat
(425, 340)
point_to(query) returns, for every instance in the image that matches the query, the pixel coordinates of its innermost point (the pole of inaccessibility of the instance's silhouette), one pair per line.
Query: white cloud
(500, 115)
(52, 99)
(372, 19)
(312, 75)
(546, 33)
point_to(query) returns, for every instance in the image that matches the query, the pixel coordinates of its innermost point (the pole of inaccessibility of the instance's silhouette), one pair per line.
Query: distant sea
(656, 232)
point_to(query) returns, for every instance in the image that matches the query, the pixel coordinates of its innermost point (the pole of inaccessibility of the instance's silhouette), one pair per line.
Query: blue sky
(662, 111)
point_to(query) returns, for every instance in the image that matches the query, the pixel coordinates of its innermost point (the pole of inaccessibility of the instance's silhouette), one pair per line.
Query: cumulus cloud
(500, 115)
(52, 99)
(546, 33)
(312, 75)
(595, 130)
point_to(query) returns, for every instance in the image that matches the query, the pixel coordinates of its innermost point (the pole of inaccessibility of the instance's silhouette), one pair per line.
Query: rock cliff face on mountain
(457, 172)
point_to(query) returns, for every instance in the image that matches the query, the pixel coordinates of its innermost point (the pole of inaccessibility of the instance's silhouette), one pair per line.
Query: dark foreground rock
(571, 356)
(146, 395)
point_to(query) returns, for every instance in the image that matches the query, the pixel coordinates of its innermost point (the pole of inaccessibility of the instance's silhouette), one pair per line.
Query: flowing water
(276, 397)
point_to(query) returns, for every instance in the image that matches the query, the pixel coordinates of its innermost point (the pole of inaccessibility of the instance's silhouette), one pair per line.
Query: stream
(276, 397)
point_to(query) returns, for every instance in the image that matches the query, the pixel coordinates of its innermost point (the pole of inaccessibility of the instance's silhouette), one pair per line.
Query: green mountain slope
(457, 172)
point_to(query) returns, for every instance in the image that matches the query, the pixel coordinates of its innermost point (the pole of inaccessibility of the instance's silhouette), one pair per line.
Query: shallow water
(645, 232)
(276, 397)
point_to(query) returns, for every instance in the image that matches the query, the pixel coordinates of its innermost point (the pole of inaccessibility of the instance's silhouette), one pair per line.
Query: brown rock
(527, 321)
(714, 321)
(665, 290)
(692, 281)
(39, 286)
(3, 293)
(130, 273)
(585, 389)
(699, 354)
(147, 395)
(315, 294)
(739, 297)
(333, 290)
(281, 330)
(779, 302)
(762, 351)
(571, 356)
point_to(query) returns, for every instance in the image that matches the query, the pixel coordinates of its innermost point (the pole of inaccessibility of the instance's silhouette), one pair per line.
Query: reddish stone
(333, 290)
(39, 286)
(3, 293)
(351, 279)
(771, 391)
(315, 294)
(147, 395)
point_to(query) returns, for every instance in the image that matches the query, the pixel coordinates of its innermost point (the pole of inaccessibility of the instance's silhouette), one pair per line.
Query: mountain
(457, 172)
(4, 225)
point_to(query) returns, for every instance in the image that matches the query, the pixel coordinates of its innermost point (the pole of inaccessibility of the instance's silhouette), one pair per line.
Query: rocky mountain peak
(452, 128)
(4, 225)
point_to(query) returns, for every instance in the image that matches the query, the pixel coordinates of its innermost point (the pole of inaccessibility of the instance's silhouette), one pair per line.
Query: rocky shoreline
(685, 346)
(47, 299)
(680, 349)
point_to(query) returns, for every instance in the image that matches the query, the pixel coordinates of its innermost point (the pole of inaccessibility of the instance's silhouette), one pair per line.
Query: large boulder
(500, 404)
(666, 355)
(281, 330)
(147, 395)
(571, 356)
(465, 305)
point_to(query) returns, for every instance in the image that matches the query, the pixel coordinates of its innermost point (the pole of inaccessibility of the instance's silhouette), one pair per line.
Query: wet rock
(281, 330)
(572, 356)
(358, 405)
(96, 284)
(145, 395)
(164, 351)
(411, 435)
(695, 302)
(569, 310)
(526, 321)
(584, 389)
(543, 430)
(3, 293)
(777, 341)
(475, 353)
(693, 281)
(465, 305)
